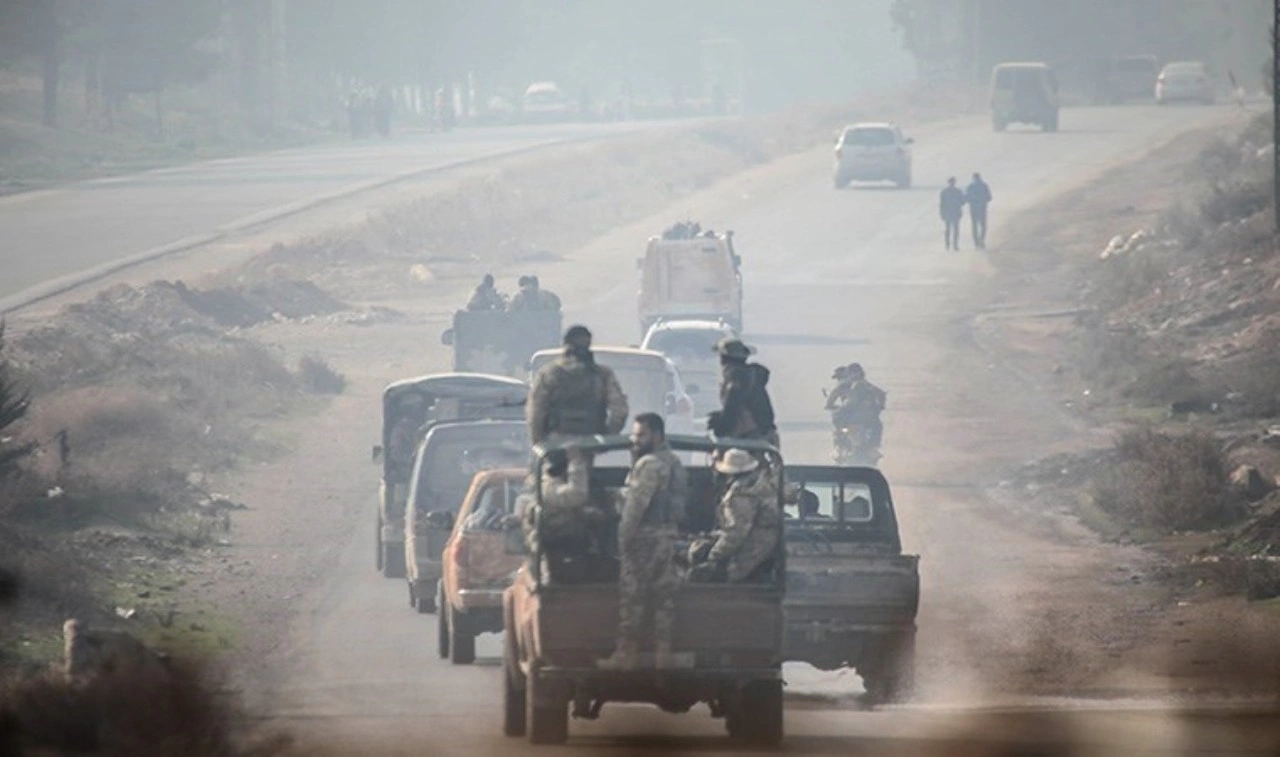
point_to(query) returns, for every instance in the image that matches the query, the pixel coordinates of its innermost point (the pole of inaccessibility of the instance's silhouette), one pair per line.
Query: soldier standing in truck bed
(573, 395)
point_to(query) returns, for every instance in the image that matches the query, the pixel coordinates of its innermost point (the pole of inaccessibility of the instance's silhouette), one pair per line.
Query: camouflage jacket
(575, 396)
(748, 524)
(655, 496)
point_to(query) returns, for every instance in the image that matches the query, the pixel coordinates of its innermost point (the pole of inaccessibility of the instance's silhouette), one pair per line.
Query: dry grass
(124, 714)
(1166, 481)
(318, 377)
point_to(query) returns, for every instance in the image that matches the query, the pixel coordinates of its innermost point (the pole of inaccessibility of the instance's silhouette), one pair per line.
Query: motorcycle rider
(857, 402)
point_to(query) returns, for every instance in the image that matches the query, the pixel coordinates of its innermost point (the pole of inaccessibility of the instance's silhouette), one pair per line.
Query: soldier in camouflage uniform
(574, 395)
(563, 522)
(653, 505)
(748, 522)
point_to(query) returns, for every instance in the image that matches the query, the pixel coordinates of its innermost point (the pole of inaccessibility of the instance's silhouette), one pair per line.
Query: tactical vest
(578, 401)
(668, 504)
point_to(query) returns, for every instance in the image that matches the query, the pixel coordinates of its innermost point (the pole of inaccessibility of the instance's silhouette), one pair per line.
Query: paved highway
(831, 276)
(53, 237)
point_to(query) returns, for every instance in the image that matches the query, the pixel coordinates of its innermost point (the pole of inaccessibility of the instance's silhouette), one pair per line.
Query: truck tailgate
(855, 590)
(721, 624)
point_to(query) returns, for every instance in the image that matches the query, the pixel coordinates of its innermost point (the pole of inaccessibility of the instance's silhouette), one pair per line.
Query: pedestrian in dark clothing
(978, 196)
(951, 207)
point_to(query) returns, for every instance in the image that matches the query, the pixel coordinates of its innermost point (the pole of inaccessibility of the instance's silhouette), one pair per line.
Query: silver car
(873, 152)
(1184, 80)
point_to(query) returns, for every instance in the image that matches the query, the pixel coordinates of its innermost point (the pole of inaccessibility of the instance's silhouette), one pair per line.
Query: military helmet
(855, 370)
(734, 348)
(736, 461)
(840, 372)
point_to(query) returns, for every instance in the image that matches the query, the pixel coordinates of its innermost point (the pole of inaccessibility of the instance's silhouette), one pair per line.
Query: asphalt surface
(53, 238)
(831, 276)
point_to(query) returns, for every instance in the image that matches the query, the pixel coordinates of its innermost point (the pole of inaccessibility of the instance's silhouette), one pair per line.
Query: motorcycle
(852, 443)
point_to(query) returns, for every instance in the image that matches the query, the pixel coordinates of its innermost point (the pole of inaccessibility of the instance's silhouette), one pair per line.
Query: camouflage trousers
(647, 588)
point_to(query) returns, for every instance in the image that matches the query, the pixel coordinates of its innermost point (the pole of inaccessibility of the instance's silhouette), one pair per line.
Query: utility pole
(1275, 106)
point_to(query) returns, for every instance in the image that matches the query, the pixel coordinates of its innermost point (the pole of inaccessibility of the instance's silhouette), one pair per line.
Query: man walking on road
(978, 196)
(951, 208)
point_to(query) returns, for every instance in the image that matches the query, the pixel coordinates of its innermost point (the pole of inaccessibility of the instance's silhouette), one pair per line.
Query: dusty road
(53, 237)
(1008, 606)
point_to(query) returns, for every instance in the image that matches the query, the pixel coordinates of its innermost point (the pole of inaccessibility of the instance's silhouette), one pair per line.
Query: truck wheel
(761, 713)
(442, 635)
(392, 560)
(513, 687)
(424, 605)
(462, 642)
(894, 680)
(548, 720)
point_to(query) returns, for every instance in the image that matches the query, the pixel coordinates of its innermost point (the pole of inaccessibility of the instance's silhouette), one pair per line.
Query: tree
(13, 407)
(147, 45)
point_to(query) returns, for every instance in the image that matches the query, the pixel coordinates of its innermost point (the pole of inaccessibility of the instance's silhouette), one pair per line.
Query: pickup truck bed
(727, 639)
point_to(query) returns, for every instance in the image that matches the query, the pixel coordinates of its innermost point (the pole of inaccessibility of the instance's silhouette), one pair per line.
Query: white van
(698, 278)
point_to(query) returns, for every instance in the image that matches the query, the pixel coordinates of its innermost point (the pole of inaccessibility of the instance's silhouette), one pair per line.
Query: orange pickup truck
(478, 564)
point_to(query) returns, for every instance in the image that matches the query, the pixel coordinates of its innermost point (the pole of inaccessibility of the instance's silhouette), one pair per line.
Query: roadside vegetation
(1176, 347)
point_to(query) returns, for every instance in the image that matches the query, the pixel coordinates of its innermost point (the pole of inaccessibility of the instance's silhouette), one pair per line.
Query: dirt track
(1013, 603)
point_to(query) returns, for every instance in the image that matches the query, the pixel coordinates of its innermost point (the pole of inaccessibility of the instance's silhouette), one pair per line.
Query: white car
(873, 152)
(1184, 80)
(650, 381)
(690, 345)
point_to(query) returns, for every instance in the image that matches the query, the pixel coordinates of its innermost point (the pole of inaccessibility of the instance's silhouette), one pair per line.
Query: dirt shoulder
(1147, 320)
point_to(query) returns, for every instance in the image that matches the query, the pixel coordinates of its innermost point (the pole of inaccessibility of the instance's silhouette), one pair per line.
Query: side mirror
(447, 338)
(692, 389)
(376, 454)
(441, 519)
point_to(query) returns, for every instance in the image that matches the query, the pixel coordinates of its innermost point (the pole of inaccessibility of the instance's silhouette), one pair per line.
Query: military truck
(499, 341)
(727, 640)
(690, 275)
(409, 409)
(446, 463)
(852, 595)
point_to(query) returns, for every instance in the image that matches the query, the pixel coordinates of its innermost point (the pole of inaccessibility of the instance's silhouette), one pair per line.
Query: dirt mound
(264, 301)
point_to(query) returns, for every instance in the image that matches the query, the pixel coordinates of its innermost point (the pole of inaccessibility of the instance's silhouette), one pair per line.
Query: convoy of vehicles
(1024, 93)
(409, 409)
(873, 152)
(727, 643)
(852, 594)
(457, 474)
(446, 462)
(478, 563)
(698, 277)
